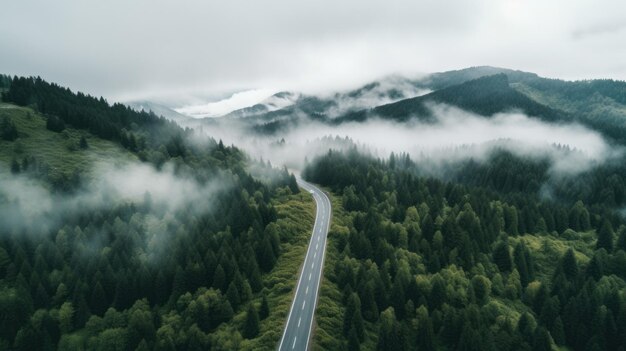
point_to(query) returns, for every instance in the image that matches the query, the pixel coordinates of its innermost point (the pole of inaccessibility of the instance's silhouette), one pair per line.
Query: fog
(454, 136)
(27, 204)
(129, 50)
(229, 104)
(383, 91)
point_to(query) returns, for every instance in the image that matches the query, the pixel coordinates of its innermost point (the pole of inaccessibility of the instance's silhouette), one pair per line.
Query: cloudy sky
(146, 48)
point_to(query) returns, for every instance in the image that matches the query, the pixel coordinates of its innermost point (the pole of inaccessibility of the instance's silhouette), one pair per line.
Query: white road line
(323, 208)
(312, 264)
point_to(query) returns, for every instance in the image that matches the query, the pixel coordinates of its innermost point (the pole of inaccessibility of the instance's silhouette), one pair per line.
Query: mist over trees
(434, 264)
(134, 273)
(501, 248)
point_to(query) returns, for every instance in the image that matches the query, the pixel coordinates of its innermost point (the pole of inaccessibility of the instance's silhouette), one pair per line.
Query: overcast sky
(128, 49)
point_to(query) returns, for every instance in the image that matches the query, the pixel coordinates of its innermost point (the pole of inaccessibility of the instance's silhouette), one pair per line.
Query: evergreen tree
(264, 310)
(55, 124)
(353, 341)
(621, 241)
(83, 143)
(251, 324)
(8, 131)
(605, 237)
(502, 257)
(15, 167)
(569, 265)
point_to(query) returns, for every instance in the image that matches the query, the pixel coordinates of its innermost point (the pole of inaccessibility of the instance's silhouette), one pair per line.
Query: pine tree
(502, 257)
(425, 333)
(569, 265)
(15, 167)
(621, 241)
(557, 331)
(541, 340)
(264, 310)
(605, 236)
(232, 294)
(8, 131)
(83, 143)
(251, 324)
(353, 341)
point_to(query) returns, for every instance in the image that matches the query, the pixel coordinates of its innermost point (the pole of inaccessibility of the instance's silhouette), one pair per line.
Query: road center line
(303, 303)
(294, 343)
(299, 320)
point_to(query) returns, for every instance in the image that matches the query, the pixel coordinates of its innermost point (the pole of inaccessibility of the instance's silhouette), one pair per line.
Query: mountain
(275, 102)
(484, 90)
(600, 103)
(440, 80)
(149, 224)
(159, 110)
(485, 96)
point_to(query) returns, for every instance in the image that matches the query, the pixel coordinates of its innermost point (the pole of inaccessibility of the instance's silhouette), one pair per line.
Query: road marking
(303, 303)
(312, 264)
(324, 207)
(316, 246)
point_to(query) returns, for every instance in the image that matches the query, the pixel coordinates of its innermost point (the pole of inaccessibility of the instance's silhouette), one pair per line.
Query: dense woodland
(135, 275)
(494, 254)
(477, 262)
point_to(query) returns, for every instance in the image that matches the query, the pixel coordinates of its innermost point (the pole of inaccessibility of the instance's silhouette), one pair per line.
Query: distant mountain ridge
(484, 90)
(598, 104)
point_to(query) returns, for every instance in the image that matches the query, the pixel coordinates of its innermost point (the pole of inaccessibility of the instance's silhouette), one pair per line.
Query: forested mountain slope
(121, 231)
(484, 96)
(479, 262)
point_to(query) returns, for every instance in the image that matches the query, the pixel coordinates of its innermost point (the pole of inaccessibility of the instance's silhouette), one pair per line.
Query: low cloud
(28, 205)
(222, 107)
(383, 91)
(455, 135)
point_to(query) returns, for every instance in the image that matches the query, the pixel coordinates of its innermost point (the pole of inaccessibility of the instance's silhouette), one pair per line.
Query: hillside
(116, 225)
(476, 263)
(484, 96)
(60, 154)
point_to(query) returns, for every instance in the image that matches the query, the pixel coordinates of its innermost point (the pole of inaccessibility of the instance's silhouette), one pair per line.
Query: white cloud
(127, 48)
(232, 103)
(456, 134)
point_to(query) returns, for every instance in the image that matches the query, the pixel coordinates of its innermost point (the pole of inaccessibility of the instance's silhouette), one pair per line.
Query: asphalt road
(300, 320)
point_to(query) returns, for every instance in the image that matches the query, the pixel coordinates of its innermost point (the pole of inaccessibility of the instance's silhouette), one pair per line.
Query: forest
(476, 261)
(133, 274)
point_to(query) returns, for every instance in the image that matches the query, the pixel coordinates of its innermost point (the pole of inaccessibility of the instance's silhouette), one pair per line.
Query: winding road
(297, 332)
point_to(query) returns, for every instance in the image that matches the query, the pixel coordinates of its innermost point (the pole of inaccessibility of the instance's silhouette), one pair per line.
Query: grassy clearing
(59, 150)
(546, 247)
(296, 215)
